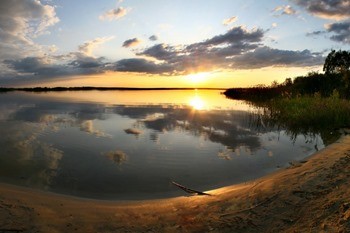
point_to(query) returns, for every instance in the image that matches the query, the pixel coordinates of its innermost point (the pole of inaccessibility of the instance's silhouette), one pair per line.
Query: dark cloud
(85, 62)
(40, 67)
(209, 54)
(131, 42)
(160, 52)
(341, 31)
(153, 38)
(34, 66)
(141, 66)
(265, 57)
(315, 33)
(328, 9)
(231, 50)
(233, 36)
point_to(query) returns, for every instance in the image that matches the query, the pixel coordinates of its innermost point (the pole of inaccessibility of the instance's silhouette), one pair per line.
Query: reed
(308, 115)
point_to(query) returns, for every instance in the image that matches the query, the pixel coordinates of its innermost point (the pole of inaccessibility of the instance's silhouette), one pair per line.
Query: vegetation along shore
(314, 103)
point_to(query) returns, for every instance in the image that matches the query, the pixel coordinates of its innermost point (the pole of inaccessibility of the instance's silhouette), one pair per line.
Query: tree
(288, 82)
(337, 62)
(274, 84)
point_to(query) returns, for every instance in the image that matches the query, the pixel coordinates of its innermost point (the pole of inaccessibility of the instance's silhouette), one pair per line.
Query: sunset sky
(167, 43)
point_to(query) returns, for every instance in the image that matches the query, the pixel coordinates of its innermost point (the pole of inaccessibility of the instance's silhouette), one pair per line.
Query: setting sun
(198, 77)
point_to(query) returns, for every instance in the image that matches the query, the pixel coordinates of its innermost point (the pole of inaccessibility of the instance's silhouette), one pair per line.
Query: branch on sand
(188, 190)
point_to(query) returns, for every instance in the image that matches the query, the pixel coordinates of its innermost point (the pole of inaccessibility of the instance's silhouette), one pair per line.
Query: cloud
(327, 9)
(20, 22)
(266, 57)
(114, 14)
(34, 66)
(88, 47)
(141, 65)
(45, 68)
(131, 42)
(88, 127)
(133, 131)
(234, 35)
(341, 31)
(160, 52)
(117, 157)
(229, 20)
(49, 19)
(238, 48)
(95, 65)
(49, 67)
(315, 33)
(285, 10)
(153, 38)
(209, 54)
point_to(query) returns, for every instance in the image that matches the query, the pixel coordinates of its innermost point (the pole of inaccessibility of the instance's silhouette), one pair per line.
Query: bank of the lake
(307, 114)
(310, 196)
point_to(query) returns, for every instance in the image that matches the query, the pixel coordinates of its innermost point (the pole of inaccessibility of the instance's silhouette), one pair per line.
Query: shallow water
(132, 144)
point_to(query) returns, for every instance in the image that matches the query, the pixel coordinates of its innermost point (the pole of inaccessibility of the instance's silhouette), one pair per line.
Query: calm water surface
(132, 144)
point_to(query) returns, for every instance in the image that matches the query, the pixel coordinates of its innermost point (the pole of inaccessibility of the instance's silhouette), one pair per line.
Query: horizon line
(90, 88)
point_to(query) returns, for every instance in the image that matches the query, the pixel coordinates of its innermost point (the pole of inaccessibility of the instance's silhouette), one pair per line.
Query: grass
(314, 112)
(308, 115)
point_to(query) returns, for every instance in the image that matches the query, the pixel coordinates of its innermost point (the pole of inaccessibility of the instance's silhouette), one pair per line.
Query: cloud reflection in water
(57, 145)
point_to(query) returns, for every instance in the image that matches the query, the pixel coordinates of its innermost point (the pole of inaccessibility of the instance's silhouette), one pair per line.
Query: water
(120, 145)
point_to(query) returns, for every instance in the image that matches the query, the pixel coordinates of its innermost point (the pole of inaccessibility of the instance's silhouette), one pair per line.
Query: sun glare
(197, 103)
(197, 77)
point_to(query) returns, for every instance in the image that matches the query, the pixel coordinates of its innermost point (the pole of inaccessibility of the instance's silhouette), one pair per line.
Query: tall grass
(312, 112)
(308, 115)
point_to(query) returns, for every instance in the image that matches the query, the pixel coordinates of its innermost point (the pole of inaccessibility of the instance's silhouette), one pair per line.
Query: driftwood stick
(188, 190)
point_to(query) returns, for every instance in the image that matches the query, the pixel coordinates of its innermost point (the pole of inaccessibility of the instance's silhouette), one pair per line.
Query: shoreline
(310, 196)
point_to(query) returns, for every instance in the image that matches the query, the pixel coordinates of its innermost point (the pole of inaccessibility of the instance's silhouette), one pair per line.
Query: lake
(129, 145)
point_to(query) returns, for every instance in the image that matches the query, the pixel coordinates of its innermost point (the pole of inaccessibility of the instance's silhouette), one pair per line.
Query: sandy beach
(310, 196)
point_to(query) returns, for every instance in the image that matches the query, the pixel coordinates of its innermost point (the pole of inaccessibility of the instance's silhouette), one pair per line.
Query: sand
(310, 196)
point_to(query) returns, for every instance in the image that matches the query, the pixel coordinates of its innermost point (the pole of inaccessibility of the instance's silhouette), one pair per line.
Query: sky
(167, 43)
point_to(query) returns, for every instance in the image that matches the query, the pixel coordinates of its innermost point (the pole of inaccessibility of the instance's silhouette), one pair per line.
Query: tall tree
(337, 62)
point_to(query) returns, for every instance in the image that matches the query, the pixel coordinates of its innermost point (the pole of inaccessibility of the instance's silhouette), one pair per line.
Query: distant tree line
(88, 88)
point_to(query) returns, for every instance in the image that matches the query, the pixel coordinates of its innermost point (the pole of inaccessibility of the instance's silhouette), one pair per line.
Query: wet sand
(310, 196)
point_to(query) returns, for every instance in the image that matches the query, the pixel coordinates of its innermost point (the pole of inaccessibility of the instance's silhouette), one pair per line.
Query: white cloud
(49, 19)
(285, 10)
(229, 20)
(88, 47)
(114, 14)
(20, 22)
